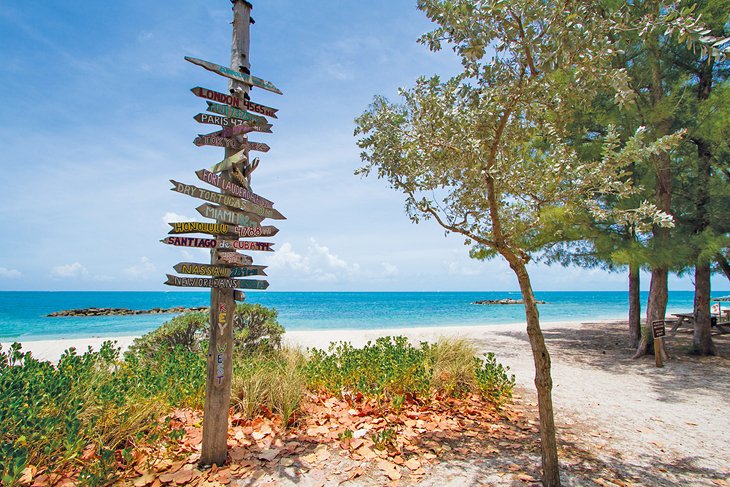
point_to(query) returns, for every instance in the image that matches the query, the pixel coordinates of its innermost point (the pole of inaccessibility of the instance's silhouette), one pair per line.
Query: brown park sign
(217, 271)
(234, 101)
(224, 215)
(215, 283)
(234, 75)
(226, 185)
(211, 243)
(236, 113)
(227, 200)
(222, 229)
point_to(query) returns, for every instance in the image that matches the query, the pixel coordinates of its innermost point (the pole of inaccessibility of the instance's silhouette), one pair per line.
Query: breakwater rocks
(504, 301)
(124, 311)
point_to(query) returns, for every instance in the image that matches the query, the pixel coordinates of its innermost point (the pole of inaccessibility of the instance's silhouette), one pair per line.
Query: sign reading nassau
(217, 271)
(234, 101)
(217, 283)
(235, 75)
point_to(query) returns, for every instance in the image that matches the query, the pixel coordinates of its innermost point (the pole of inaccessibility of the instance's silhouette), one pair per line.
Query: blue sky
(97, 117)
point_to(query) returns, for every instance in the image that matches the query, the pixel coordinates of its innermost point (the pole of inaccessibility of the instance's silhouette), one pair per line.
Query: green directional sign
(235, 75)
(236, 113)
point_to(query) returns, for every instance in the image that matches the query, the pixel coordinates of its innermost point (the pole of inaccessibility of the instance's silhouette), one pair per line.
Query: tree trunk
(702, 339)
(543, 379)
(634, 306)
(656, 308)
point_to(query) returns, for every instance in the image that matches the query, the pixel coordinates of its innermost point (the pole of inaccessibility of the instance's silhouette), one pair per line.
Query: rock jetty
(124, 311)
(504, 301)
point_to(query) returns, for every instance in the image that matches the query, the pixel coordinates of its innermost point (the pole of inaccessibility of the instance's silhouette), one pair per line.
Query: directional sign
(216, 283)
(202, 227)
(220, 182)
(244, 128)
(222, 229)
(228, 162)
(234, 258)
(211, 243)
(217, 141)
(227, 200)
(235, 75)
(236, 113)
(234, 101)
(258, 146)
(217, 120)
(229, 216)
(217, 271)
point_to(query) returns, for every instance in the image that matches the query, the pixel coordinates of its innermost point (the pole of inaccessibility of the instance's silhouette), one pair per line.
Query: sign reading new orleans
(234, 101)
(222, 229)
(213, 282)
(236, 113)
(217, 271)
(235, 75)
(229, 216)
(226, 185)
(211, 243)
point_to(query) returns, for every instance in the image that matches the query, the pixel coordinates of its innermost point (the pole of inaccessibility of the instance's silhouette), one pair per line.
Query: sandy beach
(664, 426)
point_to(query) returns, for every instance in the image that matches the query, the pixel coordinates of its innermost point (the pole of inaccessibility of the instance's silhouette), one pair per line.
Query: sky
(97, 117)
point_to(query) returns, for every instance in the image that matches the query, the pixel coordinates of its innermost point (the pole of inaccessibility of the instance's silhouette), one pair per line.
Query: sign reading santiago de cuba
(211, 243)
(217, 283)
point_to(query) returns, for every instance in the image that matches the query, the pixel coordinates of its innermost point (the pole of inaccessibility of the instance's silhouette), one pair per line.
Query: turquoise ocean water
(22, 314)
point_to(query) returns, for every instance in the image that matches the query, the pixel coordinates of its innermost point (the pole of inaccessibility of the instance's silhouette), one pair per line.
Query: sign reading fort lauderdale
(233, 101)
(226, 185)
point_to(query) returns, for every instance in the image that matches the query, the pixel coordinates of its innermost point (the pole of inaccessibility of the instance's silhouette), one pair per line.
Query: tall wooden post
(222, 305)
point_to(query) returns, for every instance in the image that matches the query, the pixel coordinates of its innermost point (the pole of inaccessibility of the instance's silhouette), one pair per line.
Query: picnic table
(689, 318)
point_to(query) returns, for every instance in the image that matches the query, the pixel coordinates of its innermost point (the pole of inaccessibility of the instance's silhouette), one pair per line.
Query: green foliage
(391, 370)
(274, 380)
(51, 413)
(255, 329)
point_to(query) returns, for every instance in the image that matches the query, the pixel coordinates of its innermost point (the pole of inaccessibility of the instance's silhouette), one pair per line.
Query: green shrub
(255, 328)
(494, 380)
(453, 370)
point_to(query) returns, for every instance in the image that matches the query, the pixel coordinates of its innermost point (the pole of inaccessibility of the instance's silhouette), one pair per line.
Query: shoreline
(52, 348)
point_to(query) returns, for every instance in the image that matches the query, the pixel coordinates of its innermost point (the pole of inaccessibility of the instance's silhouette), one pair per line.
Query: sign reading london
(235, 75)
(234, 101)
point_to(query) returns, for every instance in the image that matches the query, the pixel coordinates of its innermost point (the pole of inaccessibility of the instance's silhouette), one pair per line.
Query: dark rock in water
(503, 301)
(124, 311)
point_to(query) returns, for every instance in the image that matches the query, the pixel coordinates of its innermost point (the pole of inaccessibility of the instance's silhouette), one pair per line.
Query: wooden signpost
(216, 283)
(234, 101)
(231, 112)
(218, 271)
(235, 75)
(659, 331)
(236, 113)
(222, 229)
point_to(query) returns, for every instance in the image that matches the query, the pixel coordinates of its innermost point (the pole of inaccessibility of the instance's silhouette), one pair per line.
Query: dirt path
(667, 426)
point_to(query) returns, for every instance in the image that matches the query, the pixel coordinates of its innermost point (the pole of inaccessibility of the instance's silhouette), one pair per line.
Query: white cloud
(74, 270)
(317, 263)
(172, 217)
(144, 270)
(10, 273)
(390, 269)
